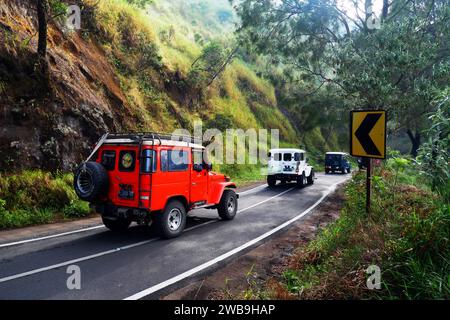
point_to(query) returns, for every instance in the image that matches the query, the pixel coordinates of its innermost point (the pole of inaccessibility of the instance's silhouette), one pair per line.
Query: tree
(397, 66)
(210, 64)
(140, 3)
(42, 7)
(434, 154)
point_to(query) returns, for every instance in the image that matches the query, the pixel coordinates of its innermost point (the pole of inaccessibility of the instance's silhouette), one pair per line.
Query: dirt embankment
(264, 264)
(52, 121)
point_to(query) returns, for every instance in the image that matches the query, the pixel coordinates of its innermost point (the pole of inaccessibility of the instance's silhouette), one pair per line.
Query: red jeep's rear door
(122, 164)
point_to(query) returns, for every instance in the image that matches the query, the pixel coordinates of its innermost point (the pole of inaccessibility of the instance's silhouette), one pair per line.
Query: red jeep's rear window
(109, 159)
(127, 160)
(148, 161)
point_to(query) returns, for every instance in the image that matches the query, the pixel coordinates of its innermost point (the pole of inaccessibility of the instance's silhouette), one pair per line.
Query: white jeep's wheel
(311, 177)
(271, 181)
(302, 180)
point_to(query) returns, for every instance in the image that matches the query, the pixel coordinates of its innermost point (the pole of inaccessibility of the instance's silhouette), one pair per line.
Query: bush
(406, 234)
(433, 155)
(34, 197)
(221, 122)
(20, 218)
(76, 209)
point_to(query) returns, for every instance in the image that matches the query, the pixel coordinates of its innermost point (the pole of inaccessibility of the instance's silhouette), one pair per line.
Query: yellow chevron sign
(368, 134)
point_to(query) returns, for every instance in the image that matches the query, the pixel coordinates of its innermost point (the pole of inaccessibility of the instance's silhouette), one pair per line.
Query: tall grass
(127, 32)
(406, 234)
(34, 197)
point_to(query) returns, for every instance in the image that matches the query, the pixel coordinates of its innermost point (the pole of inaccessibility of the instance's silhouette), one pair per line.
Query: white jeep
(289, 165)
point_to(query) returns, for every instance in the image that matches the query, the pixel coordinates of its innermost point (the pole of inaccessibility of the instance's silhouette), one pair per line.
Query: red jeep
(150, 177)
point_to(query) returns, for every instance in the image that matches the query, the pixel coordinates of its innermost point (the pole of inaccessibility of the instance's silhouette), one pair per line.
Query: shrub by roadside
(406, 235)
(36, 197)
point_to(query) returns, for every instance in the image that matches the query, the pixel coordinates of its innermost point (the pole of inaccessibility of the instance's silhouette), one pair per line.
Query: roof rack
(142, 136)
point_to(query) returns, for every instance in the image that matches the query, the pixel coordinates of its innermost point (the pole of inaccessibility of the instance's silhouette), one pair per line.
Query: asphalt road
(137, 264)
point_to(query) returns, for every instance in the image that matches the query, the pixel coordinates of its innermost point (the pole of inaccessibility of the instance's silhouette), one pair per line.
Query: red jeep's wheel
(171, 222)
(228, 205)
(90, 181)
(116, 225)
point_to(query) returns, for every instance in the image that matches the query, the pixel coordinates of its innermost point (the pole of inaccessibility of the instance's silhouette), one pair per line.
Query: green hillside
(173, 41)
(134, 66)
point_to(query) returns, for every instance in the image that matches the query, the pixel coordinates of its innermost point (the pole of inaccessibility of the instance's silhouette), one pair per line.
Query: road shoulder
(264, 263)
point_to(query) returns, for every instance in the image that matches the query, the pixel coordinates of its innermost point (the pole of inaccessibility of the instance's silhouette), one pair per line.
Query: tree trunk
(42, 28)
(415, 141)
(385, 9)
(224, 65)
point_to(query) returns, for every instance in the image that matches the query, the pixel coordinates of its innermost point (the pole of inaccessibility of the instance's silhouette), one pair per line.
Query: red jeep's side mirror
(208, 166)
(198, 167)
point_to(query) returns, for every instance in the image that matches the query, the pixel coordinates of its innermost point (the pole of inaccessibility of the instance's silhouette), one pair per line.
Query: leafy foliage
(140, 3)
(57, 7)
(397, 67)
(406, 236)
(34, 197)
(209, 65)
(434, 153)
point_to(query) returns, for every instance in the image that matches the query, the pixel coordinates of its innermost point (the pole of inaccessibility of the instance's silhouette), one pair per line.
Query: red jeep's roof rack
(142, 136)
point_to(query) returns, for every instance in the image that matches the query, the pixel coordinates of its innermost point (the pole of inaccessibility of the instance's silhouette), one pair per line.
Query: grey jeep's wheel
(228, 205)
(171, 222)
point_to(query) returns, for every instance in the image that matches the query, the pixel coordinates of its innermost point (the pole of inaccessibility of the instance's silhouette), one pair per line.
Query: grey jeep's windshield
(331, 158)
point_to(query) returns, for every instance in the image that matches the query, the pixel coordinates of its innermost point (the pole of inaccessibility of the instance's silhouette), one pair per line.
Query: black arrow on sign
(362, 133)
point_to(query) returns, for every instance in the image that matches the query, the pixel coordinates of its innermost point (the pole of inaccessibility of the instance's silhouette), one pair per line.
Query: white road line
(66, 263)
(228, 254)
(252, 189)
(264, 201)
(62, 264)
(10, 244)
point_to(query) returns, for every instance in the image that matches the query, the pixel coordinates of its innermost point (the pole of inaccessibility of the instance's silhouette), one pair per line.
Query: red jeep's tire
(228, 205)
(171, 222)
(117, 225)
(90, 181)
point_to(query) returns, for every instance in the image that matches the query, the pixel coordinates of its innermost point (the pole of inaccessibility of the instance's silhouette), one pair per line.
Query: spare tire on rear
(91, 181)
